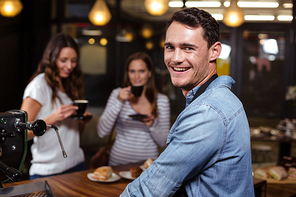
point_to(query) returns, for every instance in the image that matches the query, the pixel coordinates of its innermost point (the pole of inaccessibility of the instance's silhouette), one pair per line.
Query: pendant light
(147, 31)
(156, 7)
(233, 15)
(10, 8)
(99, 14)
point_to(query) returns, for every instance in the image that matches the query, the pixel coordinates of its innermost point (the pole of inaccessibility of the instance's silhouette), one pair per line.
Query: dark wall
(10, 77)
(22, 40)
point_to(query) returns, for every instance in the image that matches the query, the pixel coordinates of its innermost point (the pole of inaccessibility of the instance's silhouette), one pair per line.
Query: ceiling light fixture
(209, 4)
(10, 8)
(176, 4)
(244, 4)
(259, 17)
(149, 45)
(103, 41)
(285, 17)
(91, 41)
(147, 31)
(99, 14)
(253, 4)
(288, 5)
(233, 15)
(218, 17)
(156, 7)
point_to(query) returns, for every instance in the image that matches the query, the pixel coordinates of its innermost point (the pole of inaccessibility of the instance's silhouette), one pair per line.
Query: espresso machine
(13, 149)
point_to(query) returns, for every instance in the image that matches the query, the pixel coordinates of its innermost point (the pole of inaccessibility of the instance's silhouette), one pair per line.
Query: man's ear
(215, 51)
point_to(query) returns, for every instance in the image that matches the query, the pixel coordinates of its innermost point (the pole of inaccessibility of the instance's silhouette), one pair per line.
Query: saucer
(113, 178)
(126, 175)
(78, 117)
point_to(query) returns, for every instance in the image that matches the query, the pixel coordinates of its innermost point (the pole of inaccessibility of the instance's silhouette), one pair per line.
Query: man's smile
(180, 69)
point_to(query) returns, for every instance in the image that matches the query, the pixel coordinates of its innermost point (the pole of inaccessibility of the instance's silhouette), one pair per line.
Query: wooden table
(77, 184)
(259, 187)
(275, 188)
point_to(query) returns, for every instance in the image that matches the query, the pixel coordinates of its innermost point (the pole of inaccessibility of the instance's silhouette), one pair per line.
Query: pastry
(148, 162)
(277, 172)
(262, 173)
(292, 173)
(103, 173)
(136, 171)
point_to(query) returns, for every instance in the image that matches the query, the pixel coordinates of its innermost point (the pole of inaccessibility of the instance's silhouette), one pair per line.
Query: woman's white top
(46, 150)
(134, 140)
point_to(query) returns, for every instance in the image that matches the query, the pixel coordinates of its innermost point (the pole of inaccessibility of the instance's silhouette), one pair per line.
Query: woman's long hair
(74, 84)
(150, 86)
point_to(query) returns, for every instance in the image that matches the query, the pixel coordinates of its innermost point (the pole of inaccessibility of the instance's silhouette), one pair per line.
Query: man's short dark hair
(194, 17)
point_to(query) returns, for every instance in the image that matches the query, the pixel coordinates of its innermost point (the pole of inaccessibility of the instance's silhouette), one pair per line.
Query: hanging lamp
(233, 15)
(99, 14)
(10, 8)
(156, 7)
(147, 31)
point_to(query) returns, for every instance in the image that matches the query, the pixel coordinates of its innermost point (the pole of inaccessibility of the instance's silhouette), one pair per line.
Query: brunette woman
(136, 139)
(54, 86)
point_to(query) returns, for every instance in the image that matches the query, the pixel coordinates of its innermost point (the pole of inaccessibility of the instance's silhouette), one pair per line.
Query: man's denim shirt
(208, 149)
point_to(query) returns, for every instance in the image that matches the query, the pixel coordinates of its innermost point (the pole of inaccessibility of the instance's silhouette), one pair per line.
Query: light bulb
(99, 14)
(233, 15)
(156, 7)
(10, 8)
(147, 31)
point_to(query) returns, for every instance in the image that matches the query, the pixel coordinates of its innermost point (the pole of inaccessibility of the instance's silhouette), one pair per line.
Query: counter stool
(260, 153)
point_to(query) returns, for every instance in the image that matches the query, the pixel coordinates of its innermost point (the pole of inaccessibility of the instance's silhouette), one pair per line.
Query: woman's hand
(86, 113)
(81, 123)
(124, 93)
(64, 111)
(149, 120)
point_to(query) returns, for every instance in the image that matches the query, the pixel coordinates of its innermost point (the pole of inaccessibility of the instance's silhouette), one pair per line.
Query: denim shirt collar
(222, 80)
(190, 95)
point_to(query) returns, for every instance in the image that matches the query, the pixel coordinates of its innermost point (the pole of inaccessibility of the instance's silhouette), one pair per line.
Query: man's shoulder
(221, 81)
(219, 97)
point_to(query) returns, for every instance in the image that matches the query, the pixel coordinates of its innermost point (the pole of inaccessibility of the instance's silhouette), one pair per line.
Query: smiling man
(208, 148)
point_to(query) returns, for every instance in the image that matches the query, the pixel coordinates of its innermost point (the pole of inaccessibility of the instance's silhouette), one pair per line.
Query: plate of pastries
(276, 174)
(103, 174)
(132, 174)
(135, 172)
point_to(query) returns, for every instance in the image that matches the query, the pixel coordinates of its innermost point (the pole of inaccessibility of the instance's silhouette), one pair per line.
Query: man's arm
(194, 144)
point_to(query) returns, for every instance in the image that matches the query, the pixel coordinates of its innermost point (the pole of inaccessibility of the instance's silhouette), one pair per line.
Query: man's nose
(177, 56)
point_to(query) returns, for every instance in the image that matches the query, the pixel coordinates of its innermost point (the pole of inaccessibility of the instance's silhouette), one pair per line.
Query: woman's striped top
(134, 141)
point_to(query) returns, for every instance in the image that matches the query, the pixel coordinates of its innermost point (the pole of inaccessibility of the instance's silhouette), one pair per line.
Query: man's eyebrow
(183, 44)
(188, 45)
(167, 43)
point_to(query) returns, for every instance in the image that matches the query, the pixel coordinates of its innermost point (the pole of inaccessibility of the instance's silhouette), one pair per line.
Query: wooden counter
(77, 184)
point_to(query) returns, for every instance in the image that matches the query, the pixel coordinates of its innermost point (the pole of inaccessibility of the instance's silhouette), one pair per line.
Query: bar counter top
(77, 184)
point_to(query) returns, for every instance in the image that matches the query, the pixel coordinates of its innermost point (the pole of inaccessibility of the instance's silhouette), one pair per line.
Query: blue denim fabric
(208, 150)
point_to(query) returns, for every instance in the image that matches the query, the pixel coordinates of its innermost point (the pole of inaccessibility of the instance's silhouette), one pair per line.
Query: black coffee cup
(137, 90)
(82, 105)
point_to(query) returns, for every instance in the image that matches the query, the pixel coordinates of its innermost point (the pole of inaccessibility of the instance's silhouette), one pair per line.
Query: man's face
(186, 56)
